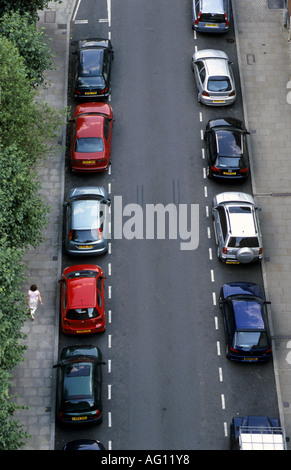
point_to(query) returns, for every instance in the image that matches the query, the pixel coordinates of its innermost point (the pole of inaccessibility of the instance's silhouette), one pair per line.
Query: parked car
(92, 68)
(82, 299)
(84, 444)
(214, 77)
(226, 150)
(210, 16)
(237, 229)
(91, 132)
(79, 385)
(86, 213)
(246, 328)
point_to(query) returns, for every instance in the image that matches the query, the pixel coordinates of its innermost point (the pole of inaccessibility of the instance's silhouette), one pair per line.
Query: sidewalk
(265, 67)
(33, 378)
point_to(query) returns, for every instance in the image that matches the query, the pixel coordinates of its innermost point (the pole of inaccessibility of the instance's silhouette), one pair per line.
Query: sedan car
(226, 150)
(79, 385)
(82, 299)
(214, 77)
(91, 137)
(93, 59)
(237, 228)
(247, 335)
(86, 212)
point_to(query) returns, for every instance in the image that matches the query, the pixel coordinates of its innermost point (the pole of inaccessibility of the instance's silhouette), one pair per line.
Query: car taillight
(215, 169)
(105, 90)
(233, 350)
(268, 351)
(78, 92)
(226, 20)
(98, 414)
(70, 234)
(205, 93)
(243, 170)
(198, 18)
(232, 93)
(260, 251)
(224, 250)
(100, 233)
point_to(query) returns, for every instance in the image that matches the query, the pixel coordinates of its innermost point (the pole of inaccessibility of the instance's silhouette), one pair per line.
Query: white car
(214, 77)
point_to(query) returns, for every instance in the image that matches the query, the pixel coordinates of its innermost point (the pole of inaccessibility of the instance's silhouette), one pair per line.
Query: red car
(91, 137)
(82, 299)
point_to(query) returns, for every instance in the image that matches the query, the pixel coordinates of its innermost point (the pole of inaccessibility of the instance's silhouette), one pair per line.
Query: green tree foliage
(28, 128)
(31, 43)
(24, 6)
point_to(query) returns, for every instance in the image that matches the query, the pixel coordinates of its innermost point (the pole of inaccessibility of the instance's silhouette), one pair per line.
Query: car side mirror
(258, 209)
(267, 302)
(56, 365)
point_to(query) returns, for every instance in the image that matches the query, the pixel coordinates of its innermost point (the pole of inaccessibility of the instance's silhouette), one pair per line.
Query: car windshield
(251, 339)
(219, 84)
(89, 145)
(82, 313)
(243, 242)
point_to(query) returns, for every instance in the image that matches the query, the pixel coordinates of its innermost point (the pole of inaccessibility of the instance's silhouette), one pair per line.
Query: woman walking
(33, 296)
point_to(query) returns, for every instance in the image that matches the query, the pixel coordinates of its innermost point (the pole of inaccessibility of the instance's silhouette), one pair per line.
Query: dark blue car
(247, 335)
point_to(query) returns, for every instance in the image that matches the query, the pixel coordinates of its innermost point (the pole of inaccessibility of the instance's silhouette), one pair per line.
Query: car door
(200, 75)
(107, 130)
(220, 227)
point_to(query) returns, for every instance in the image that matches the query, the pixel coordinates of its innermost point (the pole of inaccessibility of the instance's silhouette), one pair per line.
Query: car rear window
(219, 84)
(82, 313)
(89, 145)
(85, 236)
(212, 18)
(243, 242)
(251, 339)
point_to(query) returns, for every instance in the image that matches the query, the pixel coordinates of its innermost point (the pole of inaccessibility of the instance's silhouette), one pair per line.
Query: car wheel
(226, 351)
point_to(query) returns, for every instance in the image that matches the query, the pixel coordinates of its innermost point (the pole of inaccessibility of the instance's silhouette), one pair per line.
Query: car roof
(78, 379)
(81, 292)
(242, 223)
(248, 314)
(229, 142)
(217, 66)
(212, 6)
(89, 125)
(85, 214)
(91, 63)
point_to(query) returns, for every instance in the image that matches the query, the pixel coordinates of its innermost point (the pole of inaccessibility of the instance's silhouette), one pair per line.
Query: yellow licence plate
(84, 331)
(250, 359)
(229, 173)
(232, 262)
(88, 162)
(211, 25)
(218, 101)
(79, 418)
(90, 93)
(85, 247)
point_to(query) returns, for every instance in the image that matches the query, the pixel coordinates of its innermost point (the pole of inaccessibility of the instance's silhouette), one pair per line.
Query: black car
(245, 322)
(79, 383)
(93, 59)
(226, 149)
(84, 444)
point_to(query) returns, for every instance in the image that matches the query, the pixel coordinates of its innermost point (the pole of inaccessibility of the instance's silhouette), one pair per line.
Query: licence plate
(218, 101)
(229, 173)
(84, 331)
(211, 25)
(88, 162)
(90, 93)
(250, 359)
(85, 247)
(232, 262)
(79, 418)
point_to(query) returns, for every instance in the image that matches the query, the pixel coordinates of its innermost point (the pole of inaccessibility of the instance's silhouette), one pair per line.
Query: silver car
(210, 16)
(214, 77)
(87, 221)
(237, 229)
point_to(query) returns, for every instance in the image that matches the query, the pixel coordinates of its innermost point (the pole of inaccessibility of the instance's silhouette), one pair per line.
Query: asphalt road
(167, 383)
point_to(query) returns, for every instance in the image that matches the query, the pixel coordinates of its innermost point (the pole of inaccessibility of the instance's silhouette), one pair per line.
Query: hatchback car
(226, 150)
(92, 68)
(246, 328)
(82, 299)
(79, 385)
(91, 137)
(210, 16)
(86, 213)
(237, 229)
(214, 77)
